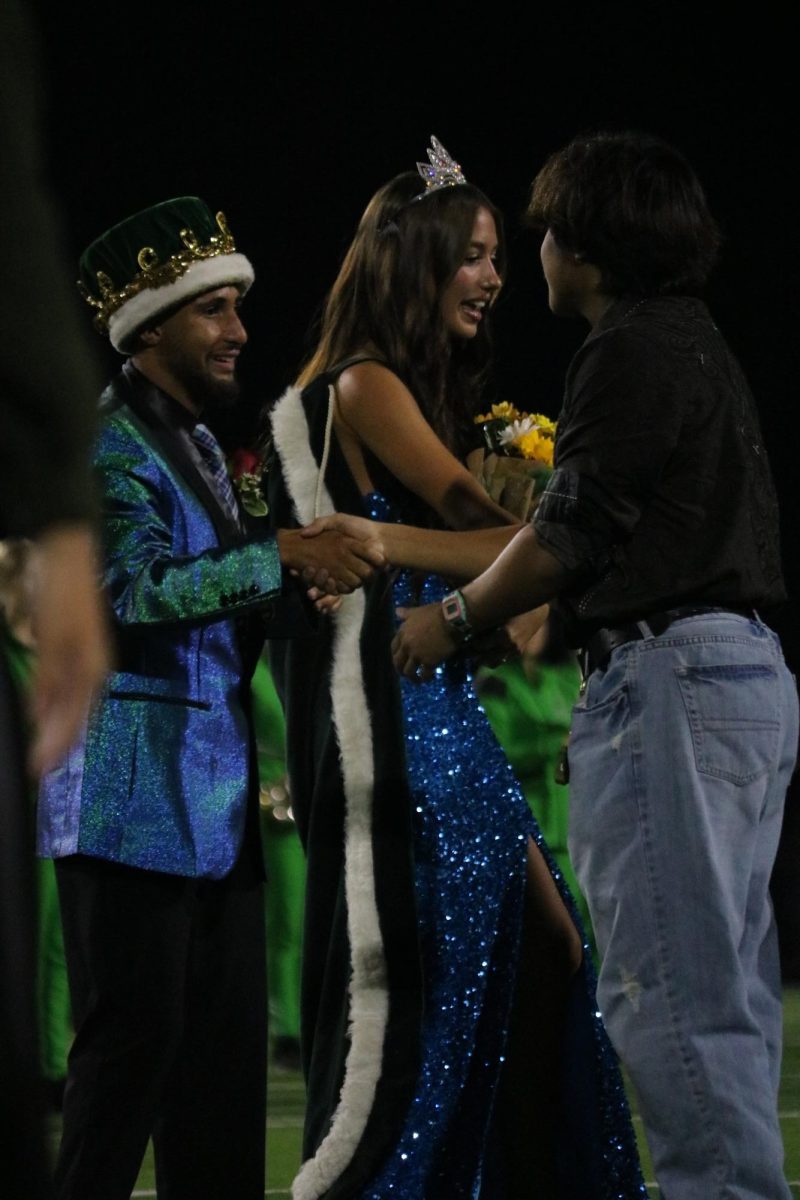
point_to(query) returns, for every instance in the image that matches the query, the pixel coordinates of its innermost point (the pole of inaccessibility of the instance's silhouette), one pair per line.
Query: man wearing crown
(152, 816)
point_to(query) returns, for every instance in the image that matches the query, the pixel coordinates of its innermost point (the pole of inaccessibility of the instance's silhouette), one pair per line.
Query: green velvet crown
(155, 260)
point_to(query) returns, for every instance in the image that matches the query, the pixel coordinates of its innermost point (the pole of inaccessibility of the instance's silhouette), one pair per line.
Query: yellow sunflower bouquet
(516, 459)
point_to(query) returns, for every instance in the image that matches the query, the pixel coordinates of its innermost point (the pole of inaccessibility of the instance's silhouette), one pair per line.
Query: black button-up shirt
(662, 493)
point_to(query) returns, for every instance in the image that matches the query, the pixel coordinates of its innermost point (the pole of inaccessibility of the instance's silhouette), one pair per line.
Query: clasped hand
(333, 557)
(424, 640)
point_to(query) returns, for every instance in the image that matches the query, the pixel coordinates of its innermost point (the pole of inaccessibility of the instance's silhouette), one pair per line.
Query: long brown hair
(387, 298)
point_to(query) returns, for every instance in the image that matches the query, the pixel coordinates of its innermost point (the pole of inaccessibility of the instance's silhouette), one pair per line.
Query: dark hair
(631, 205)
(387, 295)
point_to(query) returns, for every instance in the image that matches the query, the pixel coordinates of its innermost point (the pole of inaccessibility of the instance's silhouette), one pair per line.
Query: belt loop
(585, 667)
(645, 629)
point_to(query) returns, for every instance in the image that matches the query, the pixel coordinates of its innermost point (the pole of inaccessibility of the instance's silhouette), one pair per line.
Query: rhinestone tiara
(441, 170)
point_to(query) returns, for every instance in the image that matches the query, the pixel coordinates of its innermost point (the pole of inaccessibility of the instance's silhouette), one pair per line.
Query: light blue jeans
(680, 755)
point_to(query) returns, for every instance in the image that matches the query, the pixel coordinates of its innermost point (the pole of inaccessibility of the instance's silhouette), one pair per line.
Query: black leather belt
(599, 646)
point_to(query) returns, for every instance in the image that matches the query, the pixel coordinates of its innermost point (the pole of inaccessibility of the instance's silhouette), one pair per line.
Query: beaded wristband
(454, 609)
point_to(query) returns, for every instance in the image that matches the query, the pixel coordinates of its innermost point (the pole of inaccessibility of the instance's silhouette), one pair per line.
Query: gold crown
(154, 274)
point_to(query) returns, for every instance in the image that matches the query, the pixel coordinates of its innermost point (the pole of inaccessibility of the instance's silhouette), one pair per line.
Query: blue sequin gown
(416, 832)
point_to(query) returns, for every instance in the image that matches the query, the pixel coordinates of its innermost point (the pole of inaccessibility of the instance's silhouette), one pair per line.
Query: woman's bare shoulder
(368, 382)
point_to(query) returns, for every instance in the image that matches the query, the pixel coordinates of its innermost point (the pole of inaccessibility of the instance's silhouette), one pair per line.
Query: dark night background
(288, 116)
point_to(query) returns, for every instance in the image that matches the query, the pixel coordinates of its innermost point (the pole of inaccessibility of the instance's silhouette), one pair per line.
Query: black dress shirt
(662, 493)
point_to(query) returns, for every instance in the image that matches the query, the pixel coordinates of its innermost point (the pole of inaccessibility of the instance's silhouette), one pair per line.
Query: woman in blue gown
(451, 1043)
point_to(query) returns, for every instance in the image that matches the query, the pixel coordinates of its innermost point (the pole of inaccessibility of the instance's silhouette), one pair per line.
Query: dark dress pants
(24, 1168)
(168, 983)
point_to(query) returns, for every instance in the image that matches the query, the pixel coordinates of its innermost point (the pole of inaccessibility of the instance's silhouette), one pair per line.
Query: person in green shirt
(17, 647)
(529, 702)
(285, 866)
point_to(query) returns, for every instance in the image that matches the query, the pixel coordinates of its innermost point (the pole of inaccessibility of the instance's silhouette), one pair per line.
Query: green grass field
(286, 1114)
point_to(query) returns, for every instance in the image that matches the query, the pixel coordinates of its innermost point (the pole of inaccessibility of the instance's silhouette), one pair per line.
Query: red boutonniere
(246, 470)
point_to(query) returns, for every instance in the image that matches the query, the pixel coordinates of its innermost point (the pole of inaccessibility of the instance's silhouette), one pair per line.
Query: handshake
(334, 555)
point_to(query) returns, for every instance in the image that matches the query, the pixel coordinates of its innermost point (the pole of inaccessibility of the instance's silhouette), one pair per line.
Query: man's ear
(149, 337)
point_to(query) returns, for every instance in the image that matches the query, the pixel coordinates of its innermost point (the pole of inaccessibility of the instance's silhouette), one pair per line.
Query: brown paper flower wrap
(516, 460)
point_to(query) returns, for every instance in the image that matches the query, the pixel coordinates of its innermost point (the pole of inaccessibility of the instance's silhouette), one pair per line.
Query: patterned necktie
(212, 454)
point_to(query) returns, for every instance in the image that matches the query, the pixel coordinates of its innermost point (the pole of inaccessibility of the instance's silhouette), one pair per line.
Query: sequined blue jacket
(161, 775)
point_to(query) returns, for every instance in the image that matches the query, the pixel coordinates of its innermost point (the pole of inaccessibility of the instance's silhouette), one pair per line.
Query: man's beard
(210, 395)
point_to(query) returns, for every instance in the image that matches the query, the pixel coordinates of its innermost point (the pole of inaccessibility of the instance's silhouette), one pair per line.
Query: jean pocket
(599, 721)
(733, 717)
